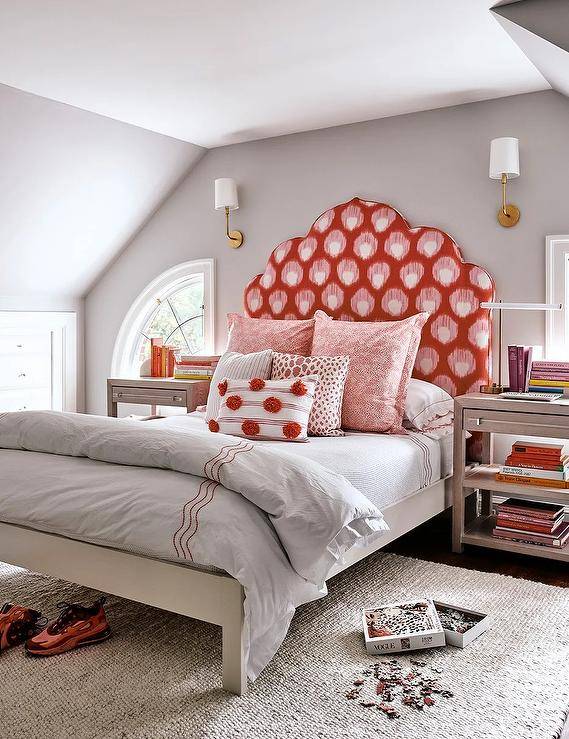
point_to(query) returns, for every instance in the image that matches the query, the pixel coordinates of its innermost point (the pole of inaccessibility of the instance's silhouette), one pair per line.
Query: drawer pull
(177, 398)
(119, 395)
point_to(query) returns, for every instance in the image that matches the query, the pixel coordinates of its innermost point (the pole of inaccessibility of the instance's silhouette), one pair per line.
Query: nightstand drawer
(149, 396)
(526, 424)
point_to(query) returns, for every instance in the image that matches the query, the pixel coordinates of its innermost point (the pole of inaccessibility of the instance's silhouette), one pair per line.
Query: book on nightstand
(531, 522)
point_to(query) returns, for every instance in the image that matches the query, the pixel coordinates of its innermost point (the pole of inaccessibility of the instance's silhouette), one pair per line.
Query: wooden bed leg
(234, 668)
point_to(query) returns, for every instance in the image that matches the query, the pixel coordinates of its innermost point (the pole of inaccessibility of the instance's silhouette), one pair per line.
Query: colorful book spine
(550, 383)
(559, 375)
(526, 538)
(538, 481)
(535, 528)
(528, 354)
(530, 510)
(540, 450)
(521, 369)
(513, 368)
(534, 473)
(536, 464)
(541, 365)
(513, 519)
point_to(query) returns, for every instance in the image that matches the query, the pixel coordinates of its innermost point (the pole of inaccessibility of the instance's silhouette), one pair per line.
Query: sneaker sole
(87, 642)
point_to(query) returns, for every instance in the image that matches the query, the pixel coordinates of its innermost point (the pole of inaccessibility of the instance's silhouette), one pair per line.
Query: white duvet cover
(275, 521)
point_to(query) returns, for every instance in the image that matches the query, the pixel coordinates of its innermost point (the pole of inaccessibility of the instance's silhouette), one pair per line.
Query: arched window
(178, 307)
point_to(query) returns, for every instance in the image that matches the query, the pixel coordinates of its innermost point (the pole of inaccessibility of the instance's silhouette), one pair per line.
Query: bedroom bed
(47, 526)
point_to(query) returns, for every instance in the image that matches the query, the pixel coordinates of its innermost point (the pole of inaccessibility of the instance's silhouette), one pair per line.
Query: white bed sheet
(386, 468)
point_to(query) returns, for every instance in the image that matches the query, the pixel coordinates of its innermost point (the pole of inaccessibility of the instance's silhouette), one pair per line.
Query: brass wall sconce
(505, 165)
(226, 199)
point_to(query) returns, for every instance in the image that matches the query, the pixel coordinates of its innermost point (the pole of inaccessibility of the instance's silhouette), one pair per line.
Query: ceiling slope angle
(541, 30)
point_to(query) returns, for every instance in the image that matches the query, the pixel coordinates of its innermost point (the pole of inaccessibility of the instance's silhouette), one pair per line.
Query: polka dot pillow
(265, 409)
(326, 414)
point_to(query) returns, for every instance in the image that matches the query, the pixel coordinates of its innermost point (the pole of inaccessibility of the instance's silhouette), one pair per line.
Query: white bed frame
(209, 596)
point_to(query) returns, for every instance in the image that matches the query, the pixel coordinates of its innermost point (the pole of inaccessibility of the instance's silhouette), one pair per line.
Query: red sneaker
(17, 624)
(76, 626)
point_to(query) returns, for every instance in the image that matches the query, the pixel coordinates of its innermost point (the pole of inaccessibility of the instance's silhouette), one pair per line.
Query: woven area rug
(159, 676)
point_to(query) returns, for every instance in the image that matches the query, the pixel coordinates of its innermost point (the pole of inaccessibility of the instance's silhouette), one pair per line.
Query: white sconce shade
(226, 194)
(504, 158)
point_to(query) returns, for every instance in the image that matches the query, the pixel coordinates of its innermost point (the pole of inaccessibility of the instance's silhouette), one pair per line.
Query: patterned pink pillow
(248, 335)
(381, 361)
(326, 414)
(266, 409)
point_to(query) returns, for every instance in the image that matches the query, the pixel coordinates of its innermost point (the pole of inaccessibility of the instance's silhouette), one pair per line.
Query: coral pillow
(326, 415)
(248, 335)
(236, 367)
(381, 361)
(271, 409)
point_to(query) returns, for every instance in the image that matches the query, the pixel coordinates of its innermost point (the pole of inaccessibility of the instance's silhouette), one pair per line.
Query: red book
(535, 508)
(514, 518)
(559, 541)
(540, 450)
(537, 528)
(535, 463)
(155, 343)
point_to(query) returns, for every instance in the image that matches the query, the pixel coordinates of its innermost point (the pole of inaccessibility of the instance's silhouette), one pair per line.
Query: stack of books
(519, 365)
(536, 463)
(193, 367)
(530, 522)
(162, 358)
(549, 377)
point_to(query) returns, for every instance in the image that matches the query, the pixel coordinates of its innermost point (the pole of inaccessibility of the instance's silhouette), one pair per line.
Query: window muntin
(177, 307)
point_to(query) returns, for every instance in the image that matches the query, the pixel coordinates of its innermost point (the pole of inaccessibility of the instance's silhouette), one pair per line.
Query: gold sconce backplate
(235, 239)
(509, 215)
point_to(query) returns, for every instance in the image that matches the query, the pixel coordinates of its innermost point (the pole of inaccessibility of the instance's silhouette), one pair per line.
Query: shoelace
(70, 611)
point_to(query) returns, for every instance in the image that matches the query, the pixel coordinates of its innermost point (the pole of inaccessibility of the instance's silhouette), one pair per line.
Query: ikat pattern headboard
(361, 261)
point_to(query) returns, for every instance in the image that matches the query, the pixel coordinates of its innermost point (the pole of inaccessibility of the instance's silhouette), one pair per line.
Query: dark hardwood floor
(432, 541)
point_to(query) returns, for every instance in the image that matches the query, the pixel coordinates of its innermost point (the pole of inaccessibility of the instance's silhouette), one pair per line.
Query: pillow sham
(427, 406)
(382, 355)
(235, 366)
(248, 335)
(271, 409)
(326, 414)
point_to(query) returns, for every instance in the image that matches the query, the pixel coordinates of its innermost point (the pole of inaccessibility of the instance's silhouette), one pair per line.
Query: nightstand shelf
(484, 478)
(475, 487)
(479, 533)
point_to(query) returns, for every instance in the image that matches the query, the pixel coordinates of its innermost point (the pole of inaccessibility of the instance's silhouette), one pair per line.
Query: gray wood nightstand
(489, 414)
(156, 391)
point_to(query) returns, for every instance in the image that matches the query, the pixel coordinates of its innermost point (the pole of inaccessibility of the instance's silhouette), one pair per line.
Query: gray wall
(74, 188)
(432, 166)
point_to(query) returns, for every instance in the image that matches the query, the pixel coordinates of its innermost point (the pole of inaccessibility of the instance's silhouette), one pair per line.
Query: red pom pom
(222, 387)
(291, 430)
(213, 425)
(298, 388)
(250, 428)
(234, 402)
(272, 404)
(256, 383)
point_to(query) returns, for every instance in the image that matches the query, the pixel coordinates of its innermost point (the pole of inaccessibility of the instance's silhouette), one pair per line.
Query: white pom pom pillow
(265, 409)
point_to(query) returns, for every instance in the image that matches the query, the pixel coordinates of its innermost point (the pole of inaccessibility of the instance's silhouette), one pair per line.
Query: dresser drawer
(522, 424)
(149, 396)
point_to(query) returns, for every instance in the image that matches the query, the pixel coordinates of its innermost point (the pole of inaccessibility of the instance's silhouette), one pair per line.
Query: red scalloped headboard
(361, 261)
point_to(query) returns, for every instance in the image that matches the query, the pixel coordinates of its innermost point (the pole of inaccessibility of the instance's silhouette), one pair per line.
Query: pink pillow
(382, 355)
(248, 335)
(326, 415)
(266, 409)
